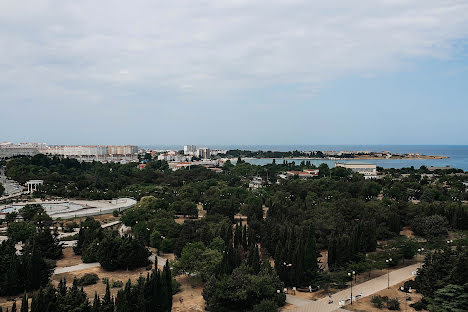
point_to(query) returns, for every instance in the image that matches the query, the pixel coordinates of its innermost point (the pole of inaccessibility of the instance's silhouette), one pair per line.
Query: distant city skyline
(234, 72)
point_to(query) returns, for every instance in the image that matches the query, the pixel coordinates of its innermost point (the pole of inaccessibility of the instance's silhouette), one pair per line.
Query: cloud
(55, 49)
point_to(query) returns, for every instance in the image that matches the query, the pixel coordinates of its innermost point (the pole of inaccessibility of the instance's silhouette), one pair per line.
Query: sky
(234, 72)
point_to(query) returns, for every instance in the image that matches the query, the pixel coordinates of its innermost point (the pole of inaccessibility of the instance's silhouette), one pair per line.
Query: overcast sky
(234, 72)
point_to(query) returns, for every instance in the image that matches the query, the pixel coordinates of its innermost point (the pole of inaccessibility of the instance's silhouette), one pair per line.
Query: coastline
(423, 157)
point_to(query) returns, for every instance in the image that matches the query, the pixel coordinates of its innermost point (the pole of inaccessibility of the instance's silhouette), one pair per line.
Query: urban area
(122, 228)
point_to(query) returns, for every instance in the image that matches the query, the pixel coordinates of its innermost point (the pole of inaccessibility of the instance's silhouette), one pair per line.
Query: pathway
(77, 267)
(367, 288)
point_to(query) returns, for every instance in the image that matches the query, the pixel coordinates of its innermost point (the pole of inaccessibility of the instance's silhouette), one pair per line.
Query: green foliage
(114, 252)
(87, 279)
(265, 306)
(393, 304)
(153, 293)
(90, 231)
(63, 298)
(430, 226)
(115, 213)
(379, 301)
(383, 301)
(2, 189)
(20, 231)
(420, 305)
(242, 290)
(451, 298)
(22, 272)
(199, 260)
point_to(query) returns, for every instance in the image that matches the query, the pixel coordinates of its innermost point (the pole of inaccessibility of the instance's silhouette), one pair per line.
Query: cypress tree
(168, 275)
(24, 304)
(107, 304)
(237, 236)
(244, 237)
(96, 303)
(311, 255)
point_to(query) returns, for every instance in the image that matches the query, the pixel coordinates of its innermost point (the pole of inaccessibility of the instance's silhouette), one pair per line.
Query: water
(458, 154)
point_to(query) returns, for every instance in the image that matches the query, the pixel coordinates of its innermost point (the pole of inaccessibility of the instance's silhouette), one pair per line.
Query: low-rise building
(369, 171)
(256, 183)
(303, 174)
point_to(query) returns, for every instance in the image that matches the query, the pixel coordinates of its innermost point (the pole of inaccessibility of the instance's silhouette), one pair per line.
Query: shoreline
(349, 159)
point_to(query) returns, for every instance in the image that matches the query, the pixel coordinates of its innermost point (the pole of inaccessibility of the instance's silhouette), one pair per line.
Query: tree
(29, 211)
(24, 303)
(96, 303)
(311, 267)
(451, 298)
(20, 231)
(107, 304)
(265, 306)
(199, 260)
(2, 189)
(242, 290)
(430, 226)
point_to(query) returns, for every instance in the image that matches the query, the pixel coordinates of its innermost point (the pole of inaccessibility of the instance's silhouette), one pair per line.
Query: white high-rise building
(204, 153)
(190, 149)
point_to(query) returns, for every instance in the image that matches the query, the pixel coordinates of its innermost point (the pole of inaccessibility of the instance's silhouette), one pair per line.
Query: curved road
(367, 288)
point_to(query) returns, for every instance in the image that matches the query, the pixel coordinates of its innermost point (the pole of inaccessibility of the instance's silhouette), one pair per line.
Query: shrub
(265, 306)
(112, 283)
(378, 301)
(115, 213)
(408, 284)
(116, 284)
(88, 279)
(393, 304)
(420, 305)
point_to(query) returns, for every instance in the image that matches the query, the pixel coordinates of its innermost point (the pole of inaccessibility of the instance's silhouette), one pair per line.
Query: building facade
(369, 171)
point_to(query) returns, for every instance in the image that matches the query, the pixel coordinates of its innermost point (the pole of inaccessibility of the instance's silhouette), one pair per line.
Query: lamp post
(352, 274)
(406, 295)
(420, 251)
(388, 261)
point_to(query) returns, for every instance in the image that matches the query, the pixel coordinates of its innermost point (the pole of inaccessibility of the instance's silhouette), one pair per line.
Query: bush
(418, 306)
(408, 284)
(393, 304)
(112, 283)
(88, 279)
(265, 306)
(378, 301)
(115, 213)
(70, 226)
(115, 284)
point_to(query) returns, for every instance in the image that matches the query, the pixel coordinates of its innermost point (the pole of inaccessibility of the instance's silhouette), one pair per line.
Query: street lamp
(388, 261)
(406, 295)
(420, 251)
(352, 274)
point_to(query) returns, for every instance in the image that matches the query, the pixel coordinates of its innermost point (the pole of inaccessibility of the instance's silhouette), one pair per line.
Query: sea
(458, 154)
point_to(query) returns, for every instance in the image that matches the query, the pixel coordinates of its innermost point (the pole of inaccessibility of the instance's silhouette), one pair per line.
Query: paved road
(77, 267)
(297, 301)
(367, 288)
